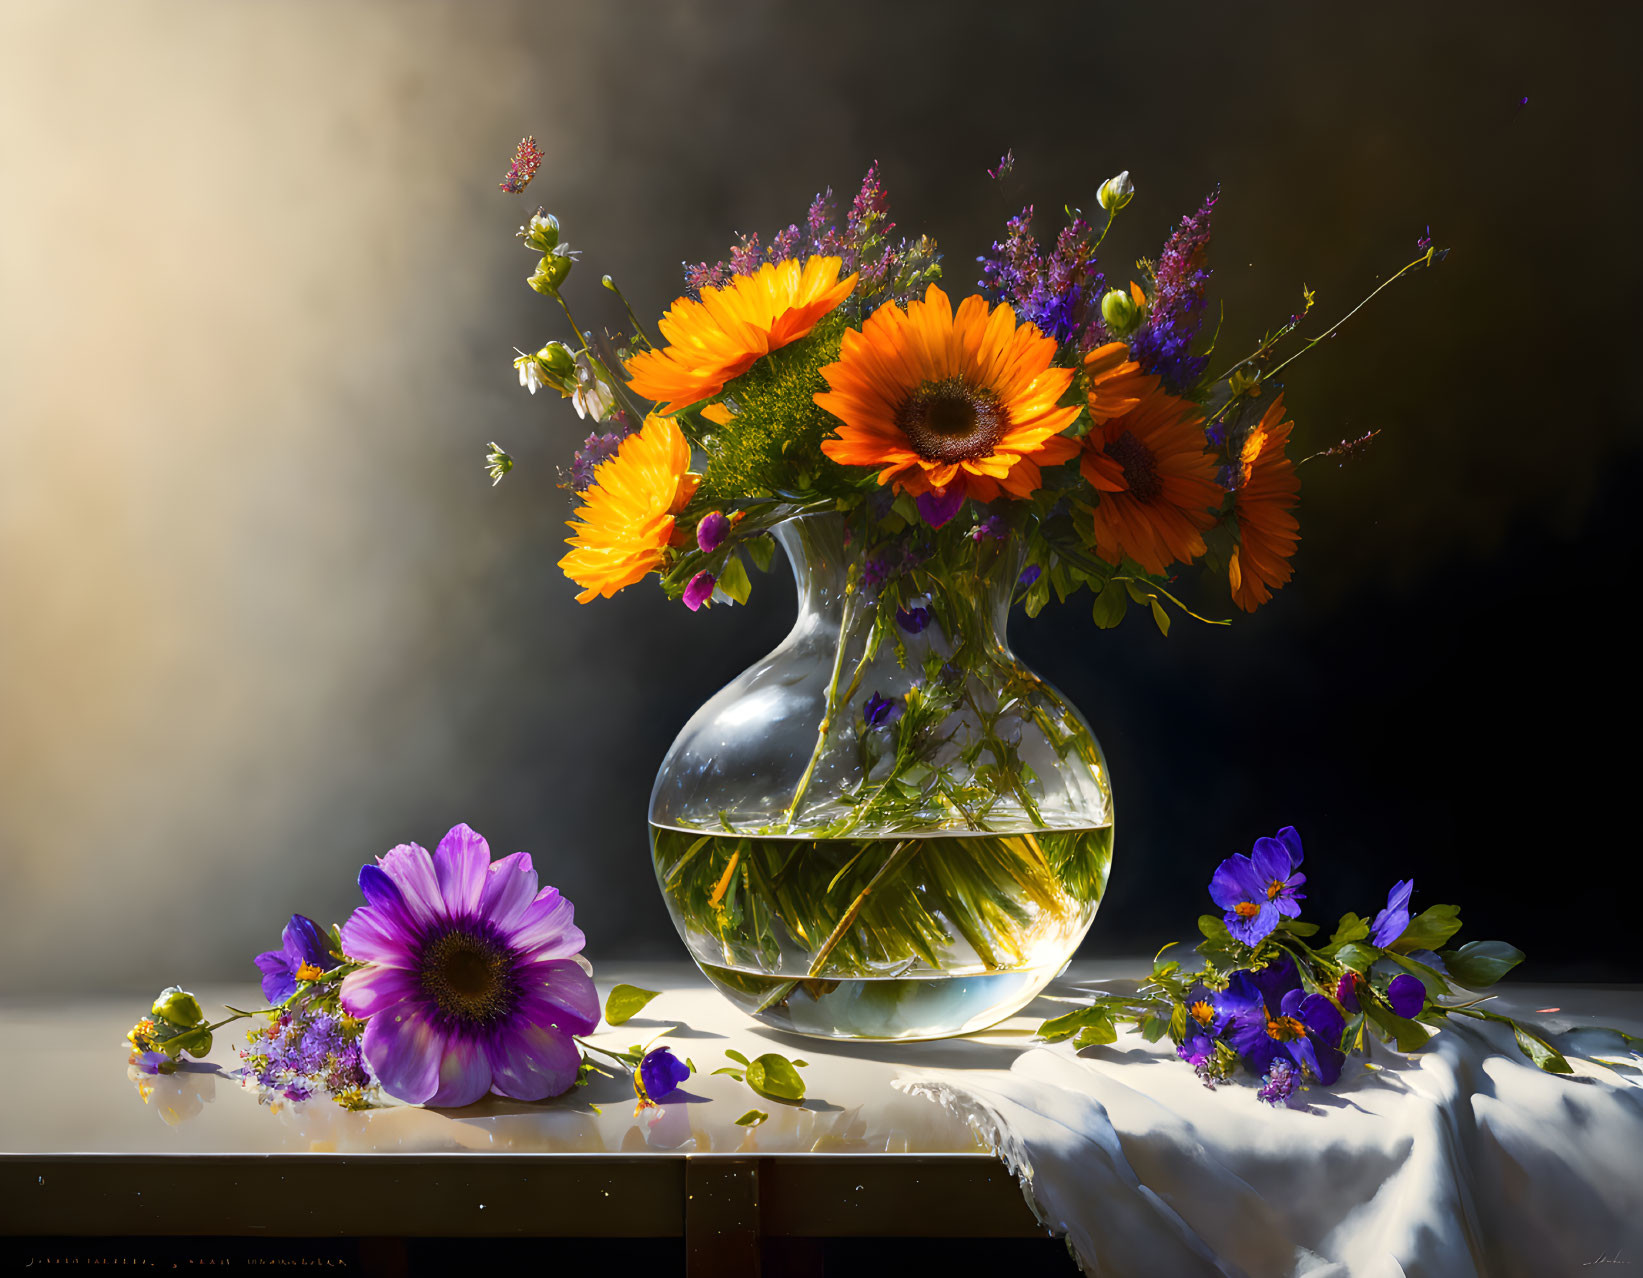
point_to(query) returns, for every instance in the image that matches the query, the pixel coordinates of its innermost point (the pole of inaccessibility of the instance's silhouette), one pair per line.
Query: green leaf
(773, 1075)
(761, 550)
(1358, 957)
(1408, 1036)
(737, 1056)
(1429, 929)
(752, 1118)
(1215, 930)
(1153, 1028)
(1350, 928)
(1159, 616)
(1059, 1027)
(625, 1002)
(732, 1071)
(1108, 609)
(1095, 1034)
(1479, 964)
(734, 580)
(1533, 1046)
(1297, 928)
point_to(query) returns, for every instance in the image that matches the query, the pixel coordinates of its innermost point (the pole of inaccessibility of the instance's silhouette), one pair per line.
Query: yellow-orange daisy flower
(622, 530)
(717, 339)
(1115, 382)
(936, 399)
(1157, 483)
(1266, 493)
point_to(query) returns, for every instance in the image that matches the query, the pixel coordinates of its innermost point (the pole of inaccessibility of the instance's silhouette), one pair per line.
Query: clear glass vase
(888, 828)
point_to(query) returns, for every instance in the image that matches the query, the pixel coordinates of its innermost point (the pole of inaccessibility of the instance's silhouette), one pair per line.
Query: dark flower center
(469, 977)
(952, 421)
(1140, 465)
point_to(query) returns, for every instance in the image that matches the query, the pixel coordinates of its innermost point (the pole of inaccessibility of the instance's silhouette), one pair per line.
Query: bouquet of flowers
(829, 369)
(1267, 1001)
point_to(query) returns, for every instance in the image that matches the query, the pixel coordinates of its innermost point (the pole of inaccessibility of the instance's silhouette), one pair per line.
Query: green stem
(902, 853)
(851, 596)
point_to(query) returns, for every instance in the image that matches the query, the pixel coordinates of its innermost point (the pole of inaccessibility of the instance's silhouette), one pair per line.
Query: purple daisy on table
(473, 984)
(1259, 889)
(659, 1075)
(1393, 921)
(304, 955)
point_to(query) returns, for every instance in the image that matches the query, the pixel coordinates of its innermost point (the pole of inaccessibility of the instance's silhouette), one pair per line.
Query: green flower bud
(1116, 192)
(1120, 313)
(551, 273)
(541, 233)
(176, 1006)
(558, 361)
(196, 1041)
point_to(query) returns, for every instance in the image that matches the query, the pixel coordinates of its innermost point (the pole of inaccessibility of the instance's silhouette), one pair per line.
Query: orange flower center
(952, 421)
(1273, 888)
(1285, 1027)
(1140, 465)
(1246, 909)
(309, 972)
(1202, 1012)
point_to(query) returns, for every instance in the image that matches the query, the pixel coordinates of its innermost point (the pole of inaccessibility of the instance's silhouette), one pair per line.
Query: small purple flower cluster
(309, 1053)
(889, 271)
(1060, 292)
(1163, 346)
(597, 448)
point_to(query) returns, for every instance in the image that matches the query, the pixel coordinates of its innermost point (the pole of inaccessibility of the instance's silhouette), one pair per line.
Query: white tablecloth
(1462, 1159)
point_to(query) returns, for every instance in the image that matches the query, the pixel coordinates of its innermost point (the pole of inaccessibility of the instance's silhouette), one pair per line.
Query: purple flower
(1053, 290)
(1163, 346)
(711, 532)
(1393, 921)
(304, 944)
(1257, 890)
(1279, 1083)
(991, 527)
(1195, 1049)
(879, 711)
(473, 984)
(658, 1076)
(1407, 995)
(152, 1062)
(936, 510)
(1305, 1027)
(1346, 990)
(699, 590)
(913, 620)
(1029, 574)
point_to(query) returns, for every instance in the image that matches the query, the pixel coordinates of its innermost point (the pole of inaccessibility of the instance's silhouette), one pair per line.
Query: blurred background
(262, 615)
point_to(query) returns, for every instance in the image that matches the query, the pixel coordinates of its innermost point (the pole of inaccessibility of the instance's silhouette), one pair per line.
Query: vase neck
(827, 562)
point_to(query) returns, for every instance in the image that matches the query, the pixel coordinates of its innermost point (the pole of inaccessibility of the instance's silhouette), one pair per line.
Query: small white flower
(591, 397)
(1116, 192)
(530, 373)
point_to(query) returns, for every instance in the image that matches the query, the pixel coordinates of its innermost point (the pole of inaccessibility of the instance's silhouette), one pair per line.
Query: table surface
(89, 1147)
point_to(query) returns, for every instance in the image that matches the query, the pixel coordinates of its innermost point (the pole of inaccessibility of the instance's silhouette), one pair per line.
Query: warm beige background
(261, 616)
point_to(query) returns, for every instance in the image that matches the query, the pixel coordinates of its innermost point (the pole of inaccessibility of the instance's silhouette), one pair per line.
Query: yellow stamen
(1246, 909)
(723, 885)
(308, 972)
(1202, 1012)
(1285, 1027)
(1273, 889)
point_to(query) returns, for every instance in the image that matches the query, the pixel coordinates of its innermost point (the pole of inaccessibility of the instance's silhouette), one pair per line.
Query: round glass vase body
(888, 828)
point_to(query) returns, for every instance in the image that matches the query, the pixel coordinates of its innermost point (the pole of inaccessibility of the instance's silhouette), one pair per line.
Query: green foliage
(752, 1118)
(625, 1002)
(771, 1075)
(1479, 964)
(773, 444)
(1429, 929)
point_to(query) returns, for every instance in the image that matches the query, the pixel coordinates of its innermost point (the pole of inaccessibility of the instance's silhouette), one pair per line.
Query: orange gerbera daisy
(1115, 381)
(1267, 491)
(1157, 483)
(943, 402)
(717, 339)
(623, 529)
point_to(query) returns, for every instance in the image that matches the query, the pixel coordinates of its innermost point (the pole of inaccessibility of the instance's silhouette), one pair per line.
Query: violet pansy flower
(1259, 889)
(699, 590)
(936, 509)
(1393, 921)
(913, 620)
(711, 532)
(879, 711)
(304, 954)
(1305, 1027)
(658, 1076)
(1407, 995)
(473, 983)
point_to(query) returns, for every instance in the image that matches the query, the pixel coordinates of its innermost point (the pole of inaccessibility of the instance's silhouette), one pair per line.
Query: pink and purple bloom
(473, 983)
(1279, 1082)
(699, 590)
(304, 948)
(711, 532)
(1393, 921)
(936, 509)
(659, 1075)
(1259, 889)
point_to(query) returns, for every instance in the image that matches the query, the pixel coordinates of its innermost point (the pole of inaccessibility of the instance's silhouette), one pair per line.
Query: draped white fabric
(1463, 1159)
